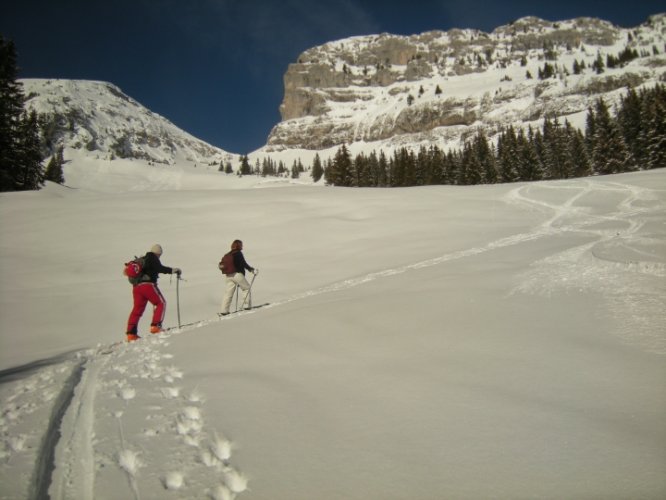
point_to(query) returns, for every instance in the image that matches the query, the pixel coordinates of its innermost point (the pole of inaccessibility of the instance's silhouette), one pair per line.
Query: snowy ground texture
(501, 341)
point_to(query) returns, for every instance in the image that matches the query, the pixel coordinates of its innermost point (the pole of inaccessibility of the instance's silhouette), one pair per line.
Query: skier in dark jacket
(146, 291)
(237, 279)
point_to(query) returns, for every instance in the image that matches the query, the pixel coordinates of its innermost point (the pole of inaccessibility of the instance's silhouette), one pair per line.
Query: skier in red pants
(146, 291)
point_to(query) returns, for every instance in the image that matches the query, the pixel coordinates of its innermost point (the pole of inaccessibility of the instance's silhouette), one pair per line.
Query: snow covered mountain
(437, 87)
(99, 118)
(384, 91)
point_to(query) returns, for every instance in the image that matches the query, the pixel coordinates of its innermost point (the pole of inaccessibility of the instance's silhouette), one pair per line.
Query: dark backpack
(134, 270)
(226, 265)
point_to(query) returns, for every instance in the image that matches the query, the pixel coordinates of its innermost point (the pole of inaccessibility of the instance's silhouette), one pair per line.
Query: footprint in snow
(235, 481)
(221, 448)
(170, 392)
(127, 393)
(173, 481)
(222, 493)
(129, 461)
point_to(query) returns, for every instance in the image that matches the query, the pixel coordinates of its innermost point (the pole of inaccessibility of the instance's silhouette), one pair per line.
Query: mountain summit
(99, 118)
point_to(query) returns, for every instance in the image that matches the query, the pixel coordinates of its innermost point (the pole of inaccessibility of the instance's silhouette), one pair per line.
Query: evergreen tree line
(623, 58)
(21, 148)
(266, 167)
(632, 138)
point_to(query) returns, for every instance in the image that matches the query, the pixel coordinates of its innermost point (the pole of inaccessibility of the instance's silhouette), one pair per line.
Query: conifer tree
(590, 130)
(554, 157)
(507, 156)
(360, 175)
(435, 160)
(470, 169)
(11, 107)
(54, 171)
(654, 136)
(28, 170)
(317, 169)
(20, 157)
(536, 139)
(245, 168)
(598, 64)
(576, 67)
(281, 169)
(631, 122)
(453, 161)
(485, 158)
(339, 172)
(609, 154)
(529, 167)
(267, 167)
(383, 171)
(373, 169)
(344, 166)
(295, 171)
(397, 168)
(577, 155)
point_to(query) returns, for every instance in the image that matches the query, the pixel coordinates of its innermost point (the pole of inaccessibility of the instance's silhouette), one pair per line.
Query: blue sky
(215, 67)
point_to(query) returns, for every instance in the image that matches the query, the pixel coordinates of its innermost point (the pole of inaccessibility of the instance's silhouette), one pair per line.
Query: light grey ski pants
(233, 281)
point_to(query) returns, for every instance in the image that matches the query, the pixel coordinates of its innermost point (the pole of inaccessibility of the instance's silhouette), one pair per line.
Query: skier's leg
(245, 286)
(159, 305)
(230, 288)
(140, 302)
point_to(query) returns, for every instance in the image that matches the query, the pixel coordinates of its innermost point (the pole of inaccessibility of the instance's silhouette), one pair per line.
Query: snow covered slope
(417, 340)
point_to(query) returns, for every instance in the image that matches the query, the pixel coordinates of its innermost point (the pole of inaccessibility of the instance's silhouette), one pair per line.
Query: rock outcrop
(417, 88)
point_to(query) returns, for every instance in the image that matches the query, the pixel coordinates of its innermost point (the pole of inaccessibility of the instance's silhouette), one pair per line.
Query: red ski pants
(142, 294)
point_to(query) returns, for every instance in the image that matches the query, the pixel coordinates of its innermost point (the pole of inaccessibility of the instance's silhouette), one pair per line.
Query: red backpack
(226, 265)
(134, 270)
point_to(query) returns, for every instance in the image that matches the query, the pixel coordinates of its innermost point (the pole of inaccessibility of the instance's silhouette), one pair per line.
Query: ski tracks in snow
(624, 260)
(112, 423)
(152, 432)
(35, 399)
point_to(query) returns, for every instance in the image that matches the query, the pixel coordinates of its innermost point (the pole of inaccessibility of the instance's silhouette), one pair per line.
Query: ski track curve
(99, 386)
(624, 262)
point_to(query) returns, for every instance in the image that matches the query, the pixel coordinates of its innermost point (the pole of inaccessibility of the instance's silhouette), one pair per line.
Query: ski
(247, 309)
(108, 349)
(172, 328)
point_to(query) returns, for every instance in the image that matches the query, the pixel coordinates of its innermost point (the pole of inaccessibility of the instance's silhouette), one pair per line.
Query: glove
(177, 271)
(255, 271)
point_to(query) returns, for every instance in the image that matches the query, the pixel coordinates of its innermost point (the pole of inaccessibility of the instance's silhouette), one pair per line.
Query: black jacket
(239, 263)
(152, 267)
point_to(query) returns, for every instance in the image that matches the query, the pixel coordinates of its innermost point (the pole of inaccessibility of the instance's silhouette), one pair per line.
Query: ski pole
(249, 290)
(178, 299)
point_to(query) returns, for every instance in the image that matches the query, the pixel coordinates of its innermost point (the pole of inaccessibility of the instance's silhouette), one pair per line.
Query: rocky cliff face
(435, 85)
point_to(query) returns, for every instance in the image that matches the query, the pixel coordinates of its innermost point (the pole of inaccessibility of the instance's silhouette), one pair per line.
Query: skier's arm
(153, 262)
(241, 263)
